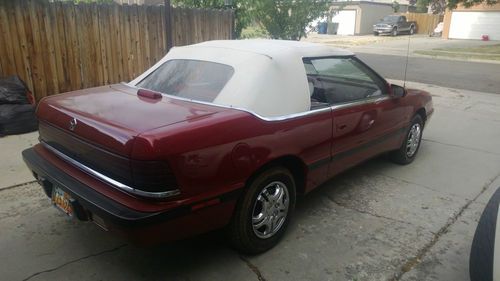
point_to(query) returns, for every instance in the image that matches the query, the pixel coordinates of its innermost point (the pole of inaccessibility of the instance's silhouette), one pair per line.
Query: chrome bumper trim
(120, 186)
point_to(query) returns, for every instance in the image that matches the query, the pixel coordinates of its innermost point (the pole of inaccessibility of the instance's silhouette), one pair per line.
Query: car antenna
(407, 55)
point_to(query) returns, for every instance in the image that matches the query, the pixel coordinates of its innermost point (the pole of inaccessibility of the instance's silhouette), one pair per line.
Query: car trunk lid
(112, 116)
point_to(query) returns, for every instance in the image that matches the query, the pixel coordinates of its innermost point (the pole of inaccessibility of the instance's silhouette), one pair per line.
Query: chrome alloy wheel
(270, 210)
(413, 140)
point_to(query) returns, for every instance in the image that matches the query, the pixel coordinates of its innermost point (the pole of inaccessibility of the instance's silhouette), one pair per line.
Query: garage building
(473, 22)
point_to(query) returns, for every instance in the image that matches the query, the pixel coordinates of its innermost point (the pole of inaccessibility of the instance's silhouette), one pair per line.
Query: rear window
(191, 79)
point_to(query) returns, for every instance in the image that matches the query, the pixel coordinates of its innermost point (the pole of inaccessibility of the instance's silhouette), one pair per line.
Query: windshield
(391, 18)
(191, 79)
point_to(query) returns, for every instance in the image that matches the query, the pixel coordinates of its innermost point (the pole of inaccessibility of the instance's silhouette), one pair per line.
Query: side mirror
(397, 91)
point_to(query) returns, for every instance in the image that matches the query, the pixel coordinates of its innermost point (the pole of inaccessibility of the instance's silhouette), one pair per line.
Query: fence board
(8, 60)
(61, 46)
(49, 52)
(58, 52)
(75, 67)
(39, 77)
(16, 48)
(425, 22)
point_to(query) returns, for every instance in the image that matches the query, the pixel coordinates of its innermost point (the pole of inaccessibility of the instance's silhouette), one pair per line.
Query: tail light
(152, 176)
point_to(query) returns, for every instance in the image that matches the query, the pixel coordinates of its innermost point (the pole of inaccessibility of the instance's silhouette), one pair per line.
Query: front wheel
(409, 148)
(263, 213)
(375, 33)
(394, 32)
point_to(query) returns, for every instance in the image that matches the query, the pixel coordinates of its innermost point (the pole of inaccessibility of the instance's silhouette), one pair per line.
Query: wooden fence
(59, 47)
(426, 23)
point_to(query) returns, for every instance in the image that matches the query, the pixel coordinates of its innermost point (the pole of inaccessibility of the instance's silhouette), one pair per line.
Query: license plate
(62, 201)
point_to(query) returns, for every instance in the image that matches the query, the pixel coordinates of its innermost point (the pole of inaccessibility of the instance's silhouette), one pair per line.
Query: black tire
(482, 253)
(401, 155)
(375, 33)
(394, 31)
(241, 230)
(412, 30)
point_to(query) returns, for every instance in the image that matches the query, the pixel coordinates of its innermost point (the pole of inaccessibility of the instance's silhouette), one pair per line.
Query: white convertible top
(269, 76)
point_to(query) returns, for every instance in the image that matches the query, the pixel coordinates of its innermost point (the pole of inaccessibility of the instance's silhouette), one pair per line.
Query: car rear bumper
(140, 227)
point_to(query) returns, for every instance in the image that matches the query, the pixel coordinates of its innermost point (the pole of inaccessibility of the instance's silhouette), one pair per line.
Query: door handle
(370, 123)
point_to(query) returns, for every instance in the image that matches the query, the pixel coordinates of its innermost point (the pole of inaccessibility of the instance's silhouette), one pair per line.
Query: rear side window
(191, 79)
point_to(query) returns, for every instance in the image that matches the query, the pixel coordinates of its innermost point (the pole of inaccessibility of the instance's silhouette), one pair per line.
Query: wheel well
(294, 164)
(422, 114)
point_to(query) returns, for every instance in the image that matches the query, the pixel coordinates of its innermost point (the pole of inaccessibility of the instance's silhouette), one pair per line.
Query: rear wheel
(375, 33)
(263, 213)
(412, 30)
(409, 148)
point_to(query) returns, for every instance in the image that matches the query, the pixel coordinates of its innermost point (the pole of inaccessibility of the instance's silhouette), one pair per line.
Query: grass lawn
(490, 52)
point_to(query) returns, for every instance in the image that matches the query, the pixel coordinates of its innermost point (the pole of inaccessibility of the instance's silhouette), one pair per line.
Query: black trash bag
(17, 119)
(14, 91)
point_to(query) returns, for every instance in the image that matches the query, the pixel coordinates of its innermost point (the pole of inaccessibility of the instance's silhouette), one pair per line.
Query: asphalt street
(474, 76)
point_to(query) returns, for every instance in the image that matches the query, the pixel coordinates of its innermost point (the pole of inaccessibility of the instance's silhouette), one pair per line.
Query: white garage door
(472, 25)
(347, 22)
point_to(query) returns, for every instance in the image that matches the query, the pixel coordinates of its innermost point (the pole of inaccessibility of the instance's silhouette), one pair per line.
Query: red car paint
(213, 151)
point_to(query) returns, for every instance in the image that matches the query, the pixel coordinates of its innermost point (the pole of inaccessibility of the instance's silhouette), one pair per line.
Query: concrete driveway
(379, 221)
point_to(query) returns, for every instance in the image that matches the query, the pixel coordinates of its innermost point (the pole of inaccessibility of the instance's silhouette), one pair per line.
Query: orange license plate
(62, 201)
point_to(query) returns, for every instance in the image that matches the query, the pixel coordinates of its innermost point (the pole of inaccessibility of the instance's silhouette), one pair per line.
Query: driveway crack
(463, 147)
(254, 268)
(16, 185)
(74, 261)
(417, 259)
(345, 206)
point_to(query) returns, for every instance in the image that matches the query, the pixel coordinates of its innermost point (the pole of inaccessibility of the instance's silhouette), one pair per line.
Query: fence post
(168, 24)
(233, 24)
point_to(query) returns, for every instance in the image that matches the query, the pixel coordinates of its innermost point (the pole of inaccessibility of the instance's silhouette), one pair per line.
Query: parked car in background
(394, 25)
(222, 133)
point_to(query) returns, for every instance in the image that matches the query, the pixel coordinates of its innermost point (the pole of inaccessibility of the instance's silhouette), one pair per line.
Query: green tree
(439, 6)
(287, 19)
(240, 8)
(422, 5)
(282, 19)
(395, 6)
(452, 4)
(92, 1)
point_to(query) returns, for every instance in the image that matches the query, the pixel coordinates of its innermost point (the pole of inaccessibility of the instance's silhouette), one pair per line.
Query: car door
(403, 25)
(365, 117)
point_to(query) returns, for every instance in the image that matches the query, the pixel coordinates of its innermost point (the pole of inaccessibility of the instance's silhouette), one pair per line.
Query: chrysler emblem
(72, 124)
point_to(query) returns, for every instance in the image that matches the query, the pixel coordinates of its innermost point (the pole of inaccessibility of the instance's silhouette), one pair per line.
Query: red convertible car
(220, 134)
